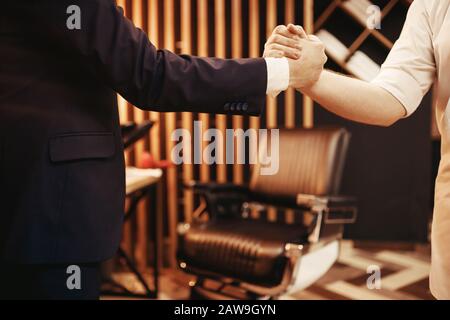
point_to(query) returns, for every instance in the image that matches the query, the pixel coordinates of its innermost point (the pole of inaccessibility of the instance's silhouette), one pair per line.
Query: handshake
(306, 54)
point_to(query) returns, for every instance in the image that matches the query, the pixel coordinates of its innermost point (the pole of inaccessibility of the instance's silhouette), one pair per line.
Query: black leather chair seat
(244, 249)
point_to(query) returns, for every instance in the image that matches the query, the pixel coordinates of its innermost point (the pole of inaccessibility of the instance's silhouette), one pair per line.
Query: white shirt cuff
(277, 76)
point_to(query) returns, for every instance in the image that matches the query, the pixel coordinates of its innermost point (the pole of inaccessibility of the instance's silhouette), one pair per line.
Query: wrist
(313, 87)
(292, 76)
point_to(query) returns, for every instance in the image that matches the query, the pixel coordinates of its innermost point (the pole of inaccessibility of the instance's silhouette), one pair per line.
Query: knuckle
(276, 47)
(280, 29)
(269, 53)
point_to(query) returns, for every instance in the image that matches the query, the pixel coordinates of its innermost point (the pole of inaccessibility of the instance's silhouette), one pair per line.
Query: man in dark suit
(61, 156)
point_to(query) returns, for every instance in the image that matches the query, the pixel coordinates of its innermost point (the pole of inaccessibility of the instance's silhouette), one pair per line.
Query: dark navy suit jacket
(61, 155)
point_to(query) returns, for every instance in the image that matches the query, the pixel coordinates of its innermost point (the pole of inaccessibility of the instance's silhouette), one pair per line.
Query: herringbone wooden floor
(404, 275)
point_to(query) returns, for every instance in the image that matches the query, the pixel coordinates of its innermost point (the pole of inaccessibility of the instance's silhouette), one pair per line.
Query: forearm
(356, 100)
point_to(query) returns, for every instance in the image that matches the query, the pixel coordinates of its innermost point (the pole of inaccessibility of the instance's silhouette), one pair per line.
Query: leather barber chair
(236, 252)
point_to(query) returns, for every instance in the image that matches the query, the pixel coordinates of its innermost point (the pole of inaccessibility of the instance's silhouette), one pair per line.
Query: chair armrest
(336, 209)
(310, 201)
(222, 200)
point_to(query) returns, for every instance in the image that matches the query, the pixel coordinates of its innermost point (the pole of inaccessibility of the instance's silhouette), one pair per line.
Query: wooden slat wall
(204, 28)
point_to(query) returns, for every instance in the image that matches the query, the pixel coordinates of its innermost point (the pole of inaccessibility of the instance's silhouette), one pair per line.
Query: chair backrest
(310, 162)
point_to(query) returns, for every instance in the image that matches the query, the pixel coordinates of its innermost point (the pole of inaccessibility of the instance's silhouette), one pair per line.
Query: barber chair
(235, 252)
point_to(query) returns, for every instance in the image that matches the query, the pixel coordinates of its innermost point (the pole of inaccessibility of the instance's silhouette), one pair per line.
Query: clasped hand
(305, 53)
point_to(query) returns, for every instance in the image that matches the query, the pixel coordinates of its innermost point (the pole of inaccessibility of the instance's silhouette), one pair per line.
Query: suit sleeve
(124, 58)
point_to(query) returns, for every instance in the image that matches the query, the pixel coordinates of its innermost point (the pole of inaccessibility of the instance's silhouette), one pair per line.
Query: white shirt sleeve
(277, 76)
(410, 68)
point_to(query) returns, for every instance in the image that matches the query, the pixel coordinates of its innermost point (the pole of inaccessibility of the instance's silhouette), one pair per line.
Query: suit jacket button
(233, 107)
(245, 107)
(226, 107)
(239, 107)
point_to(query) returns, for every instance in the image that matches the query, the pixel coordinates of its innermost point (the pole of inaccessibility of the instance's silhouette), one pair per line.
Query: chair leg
(130, 264)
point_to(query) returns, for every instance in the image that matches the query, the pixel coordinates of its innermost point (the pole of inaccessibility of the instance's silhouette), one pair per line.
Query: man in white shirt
(419, 58)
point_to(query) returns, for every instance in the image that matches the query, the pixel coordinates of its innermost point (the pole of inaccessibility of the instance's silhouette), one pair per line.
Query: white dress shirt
(277, 75)
(420, 58)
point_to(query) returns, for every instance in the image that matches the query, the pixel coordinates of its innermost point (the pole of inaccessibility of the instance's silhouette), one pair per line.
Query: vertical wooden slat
(236, 51)
(187, 118)
(308, 104)
(123, 116)
(272, 122)
(290, 93)
(254, 46)
(221, 120)
(254, 52)
(270, 26)
(170, 120)
(202, 16)
(123, 105)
